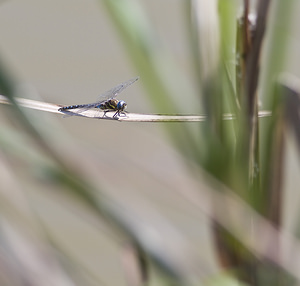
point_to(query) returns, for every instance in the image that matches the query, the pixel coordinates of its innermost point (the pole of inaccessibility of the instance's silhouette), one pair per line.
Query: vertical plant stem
(274, 97)
(251, 82)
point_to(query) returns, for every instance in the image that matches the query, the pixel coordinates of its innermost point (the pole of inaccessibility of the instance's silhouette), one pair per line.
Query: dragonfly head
(121, 106)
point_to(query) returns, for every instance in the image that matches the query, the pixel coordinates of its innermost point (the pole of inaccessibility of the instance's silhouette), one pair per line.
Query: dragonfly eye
(121, 105)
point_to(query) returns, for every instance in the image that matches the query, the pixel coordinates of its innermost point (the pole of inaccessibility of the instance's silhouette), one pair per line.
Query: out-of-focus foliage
(231, 176)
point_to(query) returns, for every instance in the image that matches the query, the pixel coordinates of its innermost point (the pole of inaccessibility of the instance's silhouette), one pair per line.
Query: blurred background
(69, 52)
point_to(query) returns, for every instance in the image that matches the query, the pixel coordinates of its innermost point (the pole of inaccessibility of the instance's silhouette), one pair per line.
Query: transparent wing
(112, 93)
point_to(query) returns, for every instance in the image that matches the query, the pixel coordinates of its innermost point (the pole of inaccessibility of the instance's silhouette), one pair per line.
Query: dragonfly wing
(112, 93)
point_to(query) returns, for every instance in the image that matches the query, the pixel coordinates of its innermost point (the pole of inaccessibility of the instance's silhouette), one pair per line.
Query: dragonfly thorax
(113, 104)
(121, 106)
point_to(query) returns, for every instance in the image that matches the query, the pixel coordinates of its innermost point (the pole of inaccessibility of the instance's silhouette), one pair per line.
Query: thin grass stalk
(274, 132)
(251, 84)
(253, 51)
(291, 97)
(269, 86)
(247, 82)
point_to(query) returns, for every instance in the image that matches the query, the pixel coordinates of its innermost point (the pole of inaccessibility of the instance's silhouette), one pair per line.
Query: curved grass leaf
(134, 117)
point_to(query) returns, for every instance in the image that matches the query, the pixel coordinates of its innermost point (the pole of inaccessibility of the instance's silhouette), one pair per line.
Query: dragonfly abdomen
(73, 107)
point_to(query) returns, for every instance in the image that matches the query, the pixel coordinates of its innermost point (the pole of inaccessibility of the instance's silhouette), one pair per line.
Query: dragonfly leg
(117, 113)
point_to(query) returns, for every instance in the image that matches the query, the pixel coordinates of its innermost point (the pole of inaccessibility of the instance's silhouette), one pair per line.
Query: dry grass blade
(130, 117)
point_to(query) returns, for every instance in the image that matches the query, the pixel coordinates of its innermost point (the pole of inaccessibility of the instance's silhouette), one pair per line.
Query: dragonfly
(107, 101)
